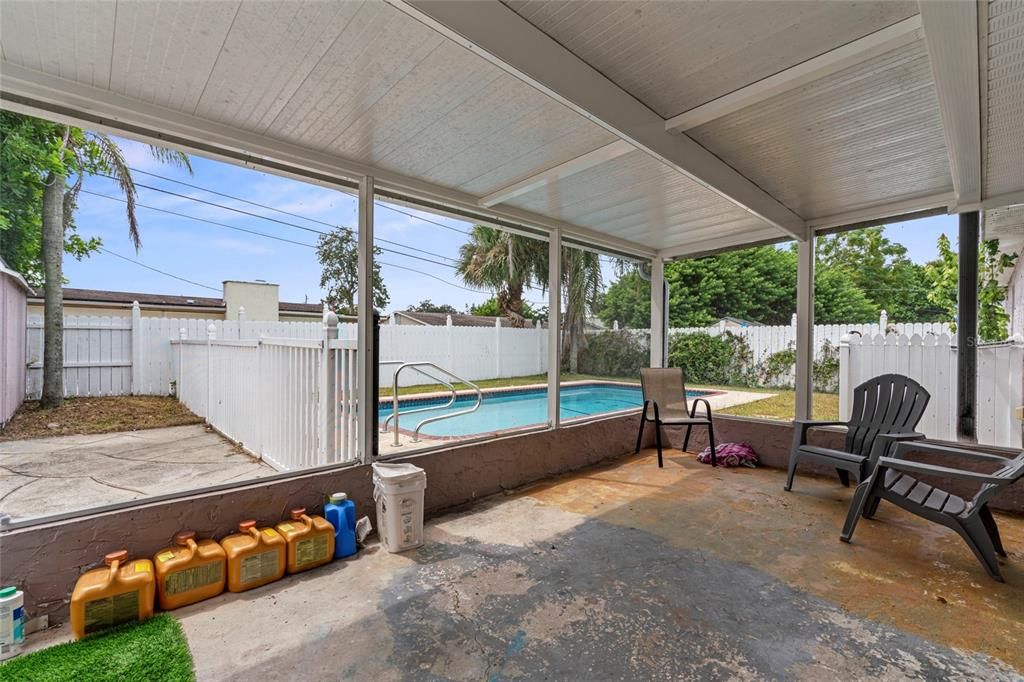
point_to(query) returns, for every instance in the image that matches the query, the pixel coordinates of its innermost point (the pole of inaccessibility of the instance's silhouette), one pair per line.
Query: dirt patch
(97, 415)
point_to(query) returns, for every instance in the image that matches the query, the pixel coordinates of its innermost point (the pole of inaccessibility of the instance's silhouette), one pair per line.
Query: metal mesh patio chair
(665, 401)
(971, 519)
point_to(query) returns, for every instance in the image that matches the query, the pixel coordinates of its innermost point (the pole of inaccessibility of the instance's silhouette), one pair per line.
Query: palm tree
(581, 287)
(78, 153)
(504, 262)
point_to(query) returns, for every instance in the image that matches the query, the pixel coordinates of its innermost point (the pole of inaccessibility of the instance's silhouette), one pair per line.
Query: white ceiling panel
(637, 195)
(869, 135)
(674, 56)
(1004, 153)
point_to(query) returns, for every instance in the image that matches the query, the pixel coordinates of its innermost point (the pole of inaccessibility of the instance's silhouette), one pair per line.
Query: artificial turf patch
(154, 650)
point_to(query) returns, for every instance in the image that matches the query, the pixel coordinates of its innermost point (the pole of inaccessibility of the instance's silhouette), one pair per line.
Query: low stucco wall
(46, 560)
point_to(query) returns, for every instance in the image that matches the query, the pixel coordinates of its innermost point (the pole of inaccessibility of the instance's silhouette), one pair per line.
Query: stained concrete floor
(631, 572)
(45, 476)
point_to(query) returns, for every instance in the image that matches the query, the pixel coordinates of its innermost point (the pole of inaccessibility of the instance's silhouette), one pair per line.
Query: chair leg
(993, 530)
(686, 440)
(844, 477)
(640, 435)
(794, 457)
(711, 443)
(657, 439)
(973, 531)
(860, 497)
(871, 508)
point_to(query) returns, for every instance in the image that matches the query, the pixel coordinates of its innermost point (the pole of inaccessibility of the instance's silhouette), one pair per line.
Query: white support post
(497, 347)
(243, 330)
(182, 336)
(554, 325)
(844, 377)
(136, 348)
(211, 336)
(449, 344)
(540, 344)
(328, 390)
(367, 354)
(659, 329)
(804, 328)
(883, 323)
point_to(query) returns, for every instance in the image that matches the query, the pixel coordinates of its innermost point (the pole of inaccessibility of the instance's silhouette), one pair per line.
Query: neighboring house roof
(126, 298)
(458, 319)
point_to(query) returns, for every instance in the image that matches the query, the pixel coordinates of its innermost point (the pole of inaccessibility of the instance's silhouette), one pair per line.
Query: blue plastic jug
(341, 512)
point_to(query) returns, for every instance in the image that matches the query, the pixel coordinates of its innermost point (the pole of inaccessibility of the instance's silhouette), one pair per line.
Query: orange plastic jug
(310, 540)
(188, 571)
(256, 556)
(120, 592)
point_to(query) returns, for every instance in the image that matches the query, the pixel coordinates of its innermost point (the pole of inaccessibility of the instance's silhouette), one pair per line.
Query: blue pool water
(513, 410)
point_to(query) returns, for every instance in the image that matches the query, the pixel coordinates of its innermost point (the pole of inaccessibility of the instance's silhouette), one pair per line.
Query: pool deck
(627, 571)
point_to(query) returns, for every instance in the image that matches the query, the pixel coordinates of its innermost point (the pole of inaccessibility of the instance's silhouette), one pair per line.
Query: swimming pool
(506, 410)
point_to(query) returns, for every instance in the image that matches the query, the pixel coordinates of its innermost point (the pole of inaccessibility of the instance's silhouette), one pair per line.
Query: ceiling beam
(508, 41)
(882, 41)
(559, 172)
(883, 211)
(951, 31)
(38, 94)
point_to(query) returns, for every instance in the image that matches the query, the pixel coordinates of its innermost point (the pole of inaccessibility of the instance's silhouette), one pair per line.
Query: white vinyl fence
(931, 361)
(132, 355)
(290, 402)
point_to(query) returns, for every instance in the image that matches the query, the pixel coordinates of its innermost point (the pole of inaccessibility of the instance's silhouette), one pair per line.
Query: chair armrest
(802, 426)
(693, 408)
(884, 441)
(921, 468)
(935, 448)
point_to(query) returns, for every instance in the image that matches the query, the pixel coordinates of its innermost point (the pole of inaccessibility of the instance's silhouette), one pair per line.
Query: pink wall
(13, 295)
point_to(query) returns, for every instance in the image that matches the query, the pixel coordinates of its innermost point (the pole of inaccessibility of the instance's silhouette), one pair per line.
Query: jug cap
(298, 512)
(182, 537)
(8, 591)
(338, 497)
(119, 556)
(247, 525)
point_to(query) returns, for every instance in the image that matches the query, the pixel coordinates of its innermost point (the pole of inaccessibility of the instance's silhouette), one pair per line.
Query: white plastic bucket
(398, 492)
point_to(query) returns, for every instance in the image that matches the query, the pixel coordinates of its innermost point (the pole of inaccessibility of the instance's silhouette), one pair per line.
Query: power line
(150, 267)
(427, 274)
(413, 215)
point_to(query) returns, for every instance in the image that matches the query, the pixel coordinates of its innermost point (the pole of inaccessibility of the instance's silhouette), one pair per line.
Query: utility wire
(413, 215)
(150, 267)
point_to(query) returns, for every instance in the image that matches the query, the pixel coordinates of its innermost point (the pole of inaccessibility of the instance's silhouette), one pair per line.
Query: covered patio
(649, 131)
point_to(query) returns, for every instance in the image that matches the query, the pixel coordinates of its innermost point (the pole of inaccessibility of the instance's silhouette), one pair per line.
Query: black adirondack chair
(891, 480)
(891, 404)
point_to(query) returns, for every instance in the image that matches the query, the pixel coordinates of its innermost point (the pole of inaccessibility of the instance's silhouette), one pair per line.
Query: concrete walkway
(69, 473)
(634, 572)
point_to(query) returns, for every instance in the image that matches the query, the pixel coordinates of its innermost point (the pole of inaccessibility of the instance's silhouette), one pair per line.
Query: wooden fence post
(328, 398)
(136, 369)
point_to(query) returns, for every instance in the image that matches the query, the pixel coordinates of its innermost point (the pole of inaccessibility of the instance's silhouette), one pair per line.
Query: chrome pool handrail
(416, 366)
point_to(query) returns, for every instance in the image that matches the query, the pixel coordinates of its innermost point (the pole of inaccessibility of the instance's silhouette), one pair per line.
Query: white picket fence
(290, 402)
(931, 361)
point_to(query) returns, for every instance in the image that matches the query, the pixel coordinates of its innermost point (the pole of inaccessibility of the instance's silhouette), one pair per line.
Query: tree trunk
(574, 351)
(514, 304)
(53, 301)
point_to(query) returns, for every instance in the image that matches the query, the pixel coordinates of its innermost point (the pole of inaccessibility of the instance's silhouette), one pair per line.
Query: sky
(205, 254)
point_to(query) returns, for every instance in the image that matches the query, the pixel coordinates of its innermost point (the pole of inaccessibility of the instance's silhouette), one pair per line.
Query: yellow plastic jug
(120, 592)
(189, 571)
(310, 540)
(256, 556)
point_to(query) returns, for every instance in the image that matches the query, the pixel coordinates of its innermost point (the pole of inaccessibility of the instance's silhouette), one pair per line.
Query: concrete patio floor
(631, 572)
(45, 476)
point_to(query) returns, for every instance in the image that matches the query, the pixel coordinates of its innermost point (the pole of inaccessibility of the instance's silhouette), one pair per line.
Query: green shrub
(708, 359)
(615, 354)
(826, 369)
(775, 369)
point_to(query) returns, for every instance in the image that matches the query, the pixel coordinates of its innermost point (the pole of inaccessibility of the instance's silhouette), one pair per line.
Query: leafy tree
(838, 300)
(943, 276)
(628, 302)
(428, 306)
(881, 269)
(489, 308)
(338, 253)
(504, 263)
(48, 164)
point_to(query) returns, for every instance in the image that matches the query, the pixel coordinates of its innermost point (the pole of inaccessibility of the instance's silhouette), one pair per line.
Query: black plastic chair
(665, 393)
(972, 520)
(889, 405)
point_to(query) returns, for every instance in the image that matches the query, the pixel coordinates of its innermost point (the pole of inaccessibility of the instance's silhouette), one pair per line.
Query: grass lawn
(155, 650)
(780, 404)
(97, 415)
